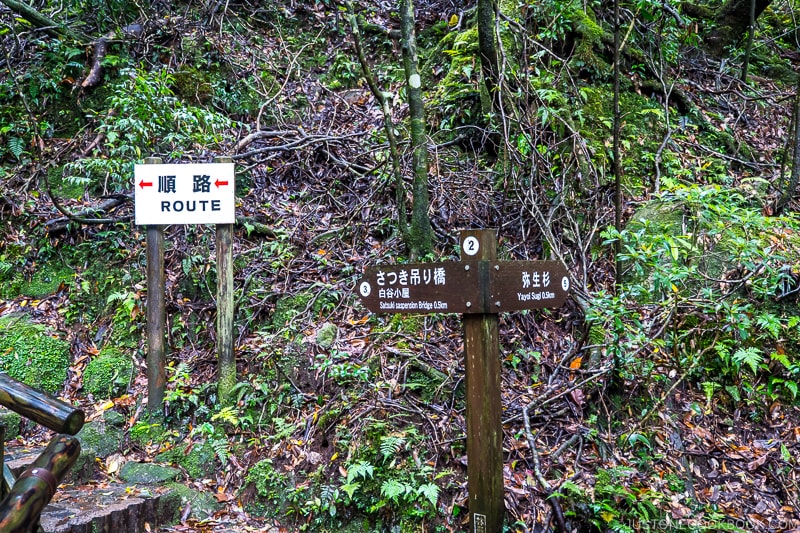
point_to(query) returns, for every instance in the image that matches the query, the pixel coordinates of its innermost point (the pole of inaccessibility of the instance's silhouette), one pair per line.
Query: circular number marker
(471, 245)
(565, 283)
(364, 289)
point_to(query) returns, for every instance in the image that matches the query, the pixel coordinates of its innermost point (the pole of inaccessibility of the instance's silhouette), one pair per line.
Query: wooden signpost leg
(225, 310)
(484, 423)
(156, 315)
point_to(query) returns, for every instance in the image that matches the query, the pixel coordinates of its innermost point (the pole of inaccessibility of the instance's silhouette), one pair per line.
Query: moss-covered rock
(198, 461)
(104, 439)
(11, 421)
(108, 374)
(193, 85)
(148, 473)
(327, 335)
(203, 505)
(46, 280)
(33, 354)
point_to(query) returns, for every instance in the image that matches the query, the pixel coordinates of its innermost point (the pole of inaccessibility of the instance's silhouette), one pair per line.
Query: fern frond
(391, 446)
(362, 469)
(220, 447)
(394, 489)
(430, 491)
(750, 357)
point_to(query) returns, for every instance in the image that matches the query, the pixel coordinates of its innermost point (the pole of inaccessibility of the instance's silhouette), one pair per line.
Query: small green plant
(184, 399)
(616, 504)
(385, 476)
(337, 366)
(714, 272)
(145, 433)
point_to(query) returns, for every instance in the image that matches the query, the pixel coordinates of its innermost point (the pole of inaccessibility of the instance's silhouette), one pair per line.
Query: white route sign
(192, 193)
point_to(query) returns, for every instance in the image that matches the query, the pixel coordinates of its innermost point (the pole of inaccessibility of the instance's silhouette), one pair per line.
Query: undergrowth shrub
(711, 294)
(145, 118)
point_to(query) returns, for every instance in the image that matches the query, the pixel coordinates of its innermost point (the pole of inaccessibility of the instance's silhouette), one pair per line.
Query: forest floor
(661, 447)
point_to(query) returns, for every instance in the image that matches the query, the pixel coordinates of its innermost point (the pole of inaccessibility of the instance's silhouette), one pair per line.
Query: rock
(108, 375)
(199, 461)
(11, 421)
(103, 439)
(203, 505)
(147, 473)
(114, 419)
(327, 335)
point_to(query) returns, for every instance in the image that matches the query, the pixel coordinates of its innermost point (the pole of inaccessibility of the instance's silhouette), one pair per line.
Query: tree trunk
(420, 235)
(488, 50)
(731, 23)
(400, 192)
(787, 192)
(39, 20)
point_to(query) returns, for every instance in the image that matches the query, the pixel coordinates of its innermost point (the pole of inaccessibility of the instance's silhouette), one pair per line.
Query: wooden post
(225, 311)
(156, 315)
(478, 287)
(484, 408)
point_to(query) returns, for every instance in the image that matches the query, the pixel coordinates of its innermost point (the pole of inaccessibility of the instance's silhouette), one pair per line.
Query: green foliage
(338, 366)
(48, 278)
(109, 374)
(32, 354)
(617, 503)
(385, 475)
(148, 119)
(716, 273)
(269, 483)
(185, 400)
(144, 433)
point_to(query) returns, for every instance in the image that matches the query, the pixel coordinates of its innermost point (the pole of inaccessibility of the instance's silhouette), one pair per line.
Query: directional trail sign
(479, 287)
(200, 193)
(472, 286)
(446, 287)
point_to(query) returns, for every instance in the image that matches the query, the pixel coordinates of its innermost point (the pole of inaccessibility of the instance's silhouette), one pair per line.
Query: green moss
(61, 187)
(272, 488)
(199, 461)
(46, 280)
(286, 309)
(31, 354)
(144, 433)
(108, 374)
(104, 439)
(11, 421)
(290, 307)
(192, 85)
(203, 505)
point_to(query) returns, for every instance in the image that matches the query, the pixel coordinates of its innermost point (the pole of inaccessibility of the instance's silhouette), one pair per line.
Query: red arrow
(144, 184)
(218, 183)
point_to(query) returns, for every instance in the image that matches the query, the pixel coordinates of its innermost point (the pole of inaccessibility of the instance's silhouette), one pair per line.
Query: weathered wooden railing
(26, 496)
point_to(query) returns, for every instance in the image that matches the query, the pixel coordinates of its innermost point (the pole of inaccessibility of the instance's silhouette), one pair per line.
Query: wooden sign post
(479, 287)
(186, 194)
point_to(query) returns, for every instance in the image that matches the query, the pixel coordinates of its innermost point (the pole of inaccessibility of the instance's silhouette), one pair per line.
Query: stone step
(110, 508)
(83, 506)
(18, 459)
